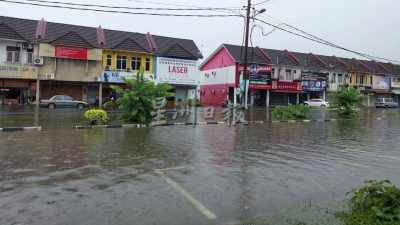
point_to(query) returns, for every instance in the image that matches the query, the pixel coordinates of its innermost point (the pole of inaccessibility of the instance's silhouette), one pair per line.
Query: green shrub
(291, 112)
(109, 104)
(190, 102)
(96, 116)
(374, 204)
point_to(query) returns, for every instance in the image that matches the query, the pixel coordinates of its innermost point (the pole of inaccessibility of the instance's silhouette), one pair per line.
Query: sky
(367, 26)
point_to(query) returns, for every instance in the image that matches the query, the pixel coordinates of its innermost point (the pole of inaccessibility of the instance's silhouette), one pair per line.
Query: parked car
(61, 101)
(317, 103)
(385, 103)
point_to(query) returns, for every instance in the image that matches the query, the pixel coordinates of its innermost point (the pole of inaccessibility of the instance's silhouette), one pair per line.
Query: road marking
(187, 195)
(173, 168)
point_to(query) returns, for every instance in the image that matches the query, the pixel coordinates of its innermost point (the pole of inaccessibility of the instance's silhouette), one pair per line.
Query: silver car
(385, 103)
(62, 101)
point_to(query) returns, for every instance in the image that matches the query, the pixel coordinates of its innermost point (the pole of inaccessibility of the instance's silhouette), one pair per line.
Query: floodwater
(111, 176)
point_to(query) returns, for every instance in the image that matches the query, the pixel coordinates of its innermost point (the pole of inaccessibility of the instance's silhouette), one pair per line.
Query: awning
(383, 92)
(289, 91)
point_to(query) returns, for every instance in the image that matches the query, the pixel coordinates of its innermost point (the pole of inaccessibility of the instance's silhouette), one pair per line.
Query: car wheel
(305, 104)
(323, 106)
(51, 106)
(80, 106)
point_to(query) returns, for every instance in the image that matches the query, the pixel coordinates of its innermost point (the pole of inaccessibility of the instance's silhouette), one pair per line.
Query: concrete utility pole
(246, 46)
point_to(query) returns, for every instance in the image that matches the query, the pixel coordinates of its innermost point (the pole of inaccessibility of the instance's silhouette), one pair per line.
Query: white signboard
(177, 71)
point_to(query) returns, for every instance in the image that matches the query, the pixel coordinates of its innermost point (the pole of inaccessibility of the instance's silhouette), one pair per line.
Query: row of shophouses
(282, 77)
(40, 59)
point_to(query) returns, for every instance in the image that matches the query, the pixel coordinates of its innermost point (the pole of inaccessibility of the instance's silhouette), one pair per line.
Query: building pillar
(324, 95)
(297, 98)
(267, 98)
(308, 96)
(368, 99)
(37, 99)
(100, 95)
(252, 98)
(235, 96)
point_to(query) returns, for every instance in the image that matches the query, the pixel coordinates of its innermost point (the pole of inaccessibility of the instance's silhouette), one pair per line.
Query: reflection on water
(62, 176)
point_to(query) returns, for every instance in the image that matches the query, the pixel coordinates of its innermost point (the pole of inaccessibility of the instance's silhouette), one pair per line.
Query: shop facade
(314, 84)
(181, 74)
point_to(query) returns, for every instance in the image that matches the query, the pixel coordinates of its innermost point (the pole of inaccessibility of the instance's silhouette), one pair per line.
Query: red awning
(383, 92)
(289, 91)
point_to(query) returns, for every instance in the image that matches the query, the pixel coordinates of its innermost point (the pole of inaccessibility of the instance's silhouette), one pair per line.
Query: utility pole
(246, 46)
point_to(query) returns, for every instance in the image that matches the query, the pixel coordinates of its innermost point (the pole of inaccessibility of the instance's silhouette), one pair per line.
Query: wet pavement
(111, 176)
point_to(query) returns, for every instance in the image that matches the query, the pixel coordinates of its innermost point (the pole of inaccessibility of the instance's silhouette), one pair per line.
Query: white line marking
(186, 194)
(173, 168)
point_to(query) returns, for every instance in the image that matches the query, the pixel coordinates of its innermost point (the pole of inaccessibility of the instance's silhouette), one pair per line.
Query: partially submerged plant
(96, 116)
(291, 112)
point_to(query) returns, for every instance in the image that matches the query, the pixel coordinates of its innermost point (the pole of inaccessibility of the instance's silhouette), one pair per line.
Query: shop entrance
(260, 97)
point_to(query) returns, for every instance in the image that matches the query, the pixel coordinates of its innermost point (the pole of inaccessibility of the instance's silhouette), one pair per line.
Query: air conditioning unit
(38, 61)
(97, 79)
(128, 69)
(26, 45)
(214, 73)
(108, 67)
(206, 74)
(50, 76)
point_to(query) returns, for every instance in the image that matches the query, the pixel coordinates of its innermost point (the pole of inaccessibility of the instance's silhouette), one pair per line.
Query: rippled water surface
(65, 176)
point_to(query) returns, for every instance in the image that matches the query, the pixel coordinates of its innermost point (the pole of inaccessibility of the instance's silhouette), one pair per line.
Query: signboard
(18, 72)
(314, 81)
(95, 54)
(117, 77)
(71, 53)
(46, 50)
(260, 75)
(286, 85)
(177, 71)
(381, 82)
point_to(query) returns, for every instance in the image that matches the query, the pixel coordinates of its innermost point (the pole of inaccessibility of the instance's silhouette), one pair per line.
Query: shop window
(135, 62)
(29, 56)
(121, 62)
(108, 60)
(147, 64)
(340, 78)
(13, 54)
(361, 80)
(289, 75)
(370, 80)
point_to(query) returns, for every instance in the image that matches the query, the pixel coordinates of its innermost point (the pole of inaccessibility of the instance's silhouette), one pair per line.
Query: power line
(170, 4)
(125, 7)
(122, 12)
(324, 42)
(261, 2)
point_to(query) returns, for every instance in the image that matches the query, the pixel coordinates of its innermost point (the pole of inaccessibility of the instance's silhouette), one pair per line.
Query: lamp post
(246, 46)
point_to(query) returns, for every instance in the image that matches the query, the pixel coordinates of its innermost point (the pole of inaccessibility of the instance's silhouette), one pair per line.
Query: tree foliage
(346, 100)
(137, 99)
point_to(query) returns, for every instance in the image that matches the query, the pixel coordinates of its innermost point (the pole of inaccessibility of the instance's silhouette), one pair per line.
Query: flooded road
(99, 176)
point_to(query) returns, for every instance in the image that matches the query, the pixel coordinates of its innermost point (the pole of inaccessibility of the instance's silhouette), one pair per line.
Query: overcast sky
(368, 26)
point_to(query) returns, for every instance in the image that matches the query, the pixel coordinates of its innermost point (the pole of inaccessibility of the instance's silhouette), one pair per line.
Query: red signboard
(282, 85)
(71, 53)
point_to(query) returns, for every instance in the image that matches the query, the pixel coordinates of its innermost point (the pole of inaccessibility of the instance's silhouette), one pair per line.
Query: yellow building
(361, 80)
(127, 61)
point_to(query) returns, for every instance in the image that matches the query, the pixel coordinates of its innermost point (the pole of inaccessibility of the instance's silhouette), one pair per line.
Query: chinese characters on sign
(232, 115)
